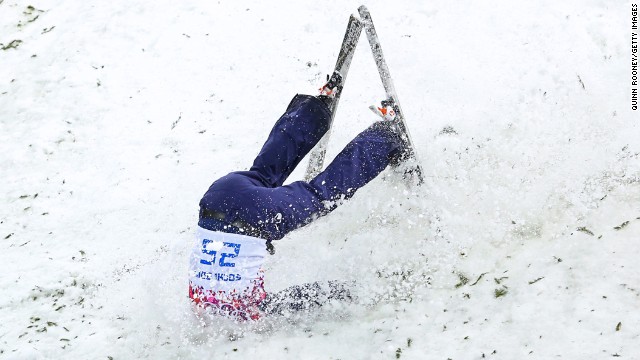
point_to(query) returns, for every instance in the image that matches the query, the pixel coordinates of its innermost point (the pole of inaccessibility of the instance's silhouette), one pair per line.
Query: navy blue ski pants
(258, 198)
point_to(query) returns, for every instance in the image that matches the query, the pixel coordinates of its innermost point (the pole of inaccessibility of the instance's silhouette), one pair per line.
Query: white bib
(226, 262)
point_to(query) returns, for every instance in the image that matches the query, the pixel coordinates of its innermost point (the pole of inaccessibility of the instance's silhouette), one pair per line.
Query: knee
(380, 137)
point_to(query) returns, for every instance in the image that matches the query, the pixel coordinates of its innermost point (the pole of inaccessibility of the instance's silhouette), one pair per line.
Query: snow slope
(523, 244)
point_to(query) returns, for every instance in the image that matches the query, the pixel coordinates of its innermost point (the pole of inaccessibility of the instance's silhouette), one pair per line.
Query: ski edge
(347, 49)
(412, 164)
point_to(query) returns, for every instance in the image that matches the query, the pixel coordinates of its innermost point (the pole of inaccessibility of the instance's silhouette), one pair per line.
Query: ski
(412, 165)
(351, 36)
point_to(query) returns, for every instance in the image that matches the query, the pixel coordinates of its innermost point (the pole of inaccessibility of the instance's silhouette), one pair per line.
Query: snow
(523, 243)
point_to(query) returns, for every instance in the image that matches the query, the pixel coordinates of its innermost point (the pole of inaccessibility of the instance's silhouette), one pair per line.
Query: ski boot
(331, 89)
(388, 111)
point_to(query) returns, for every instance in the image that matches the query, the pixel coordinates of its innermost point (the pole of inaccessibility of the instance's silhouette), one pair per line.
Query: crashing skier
(244, 211)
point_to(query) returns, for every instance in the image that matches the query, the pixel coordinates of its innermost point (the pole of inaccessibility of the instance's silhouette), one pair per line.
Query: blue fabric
(257, 196)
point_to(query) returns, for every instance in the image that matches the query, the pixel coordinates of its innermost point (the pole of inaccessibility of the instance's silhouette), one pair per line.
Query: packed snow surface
(523, 243)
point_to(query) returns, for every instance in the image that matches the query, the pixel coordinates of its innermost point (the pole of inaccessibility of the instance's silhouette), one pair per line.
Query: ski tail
(413, 167)
(349, 43)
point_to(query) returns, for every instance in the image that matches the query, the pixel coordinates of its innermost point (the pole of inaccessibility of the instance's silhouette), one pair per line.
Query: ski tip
(365, 16)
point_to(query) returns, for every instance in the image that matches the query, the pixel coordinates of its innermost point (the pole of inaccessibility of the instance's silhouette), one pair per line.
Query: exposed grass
(500, 292)
(535, 281)
(14, 44)
(621, 226)
(585, 230)
(478, 279)
(463, 280)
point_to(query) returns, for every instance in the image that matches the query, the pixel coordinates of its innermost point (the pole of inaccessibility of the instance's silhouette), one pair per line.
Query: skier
(244, 211)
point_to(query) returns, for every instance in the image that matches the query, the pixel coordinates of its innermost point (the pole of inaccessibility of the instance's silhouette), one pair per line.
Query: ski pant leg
(244, 195)
(306, 297)
(358, 163)
(278, 211)
(297, 131)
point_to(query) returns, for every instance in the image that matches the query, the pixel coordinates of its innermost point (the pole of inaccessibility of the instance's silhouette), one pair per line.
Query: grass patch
(535, 281)
(500, 292)
(621, 226)
(463, 280)
(12, 45)
(585, 230)
(478, 279)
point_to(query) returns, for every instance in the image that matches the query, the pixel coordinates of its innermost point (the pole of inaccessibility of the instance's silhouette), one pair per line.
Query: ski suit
(243, 211)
